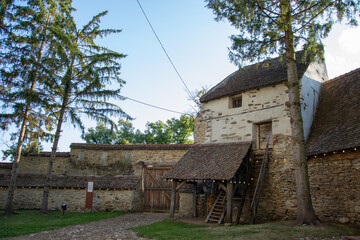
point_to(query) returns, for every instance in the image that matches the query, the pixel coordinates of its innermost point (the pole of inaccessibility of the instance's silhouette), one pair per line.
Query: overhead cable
(150, 105)
(162, 46)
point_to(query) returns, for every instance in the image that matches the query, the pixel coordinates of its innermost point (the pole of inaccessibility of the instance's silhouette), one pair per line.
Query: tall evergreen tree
(28, 61)
(82, 89)
(269, 27)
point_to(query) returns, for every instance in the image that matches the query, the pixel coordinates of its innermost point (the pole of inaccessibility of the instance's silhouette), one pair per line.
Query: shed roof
(215, 161)
(266, 73)
(104, 182)
(336, 125)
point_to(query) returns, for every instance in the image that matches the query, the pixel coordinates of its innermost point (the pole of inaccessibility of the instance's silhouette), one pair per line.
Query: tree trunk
(305, 211)
(10, 197)
(45, 198)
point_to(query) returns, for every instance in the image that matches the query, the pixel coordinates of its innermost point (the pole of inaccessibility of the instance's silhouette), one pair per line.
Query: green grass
(29, 221)
(169, 229)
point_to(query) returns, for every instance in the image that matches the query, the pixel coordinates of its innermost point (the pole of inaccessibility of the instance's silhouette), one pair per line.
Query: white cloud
(349, 40)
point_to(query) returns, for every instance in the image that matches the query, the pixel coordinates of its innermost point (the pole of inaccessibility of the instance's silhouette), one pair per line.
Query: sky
(197, 45)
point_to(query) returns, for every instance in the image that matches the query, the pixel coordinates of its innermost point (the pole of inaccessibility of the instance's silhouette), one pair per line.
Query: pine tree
(28, 62)
(269, 27)
(82, 90)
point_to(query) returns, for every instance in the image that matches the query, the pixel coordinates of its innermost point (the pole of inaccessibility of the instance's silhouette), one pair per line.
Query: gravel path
(112, 228)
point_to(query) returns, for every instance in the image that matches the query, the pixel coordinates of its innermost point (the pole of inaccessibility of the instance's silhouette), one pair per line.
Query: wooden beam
(180, 185)
(194, 199)
(173, 199)
(223, 186)
(229, 203)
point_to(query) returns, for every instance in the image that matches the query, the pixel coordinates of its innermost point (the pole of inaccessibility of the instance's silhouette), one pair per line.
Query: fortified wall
(116, 171)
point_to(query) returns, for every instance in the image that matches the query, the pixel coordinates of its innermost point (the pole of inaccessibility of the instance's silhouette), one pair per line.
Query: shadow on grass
(30, 221)
(169, 229)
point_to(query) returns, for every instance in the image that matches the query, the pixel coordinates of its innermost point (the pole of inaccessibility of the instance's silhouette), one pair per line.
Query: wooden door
(157, 191)
(264, 133)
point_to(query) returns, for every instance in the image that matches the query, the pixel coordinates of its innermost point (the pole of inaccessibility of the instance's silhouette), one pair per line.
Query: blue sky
(196, 44)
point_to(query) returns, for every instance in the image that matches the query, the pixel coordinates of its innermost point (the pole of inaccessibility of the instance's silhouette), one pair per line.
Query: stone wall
(104, 200)
(92, 160)
(335, 186)
(101, 160)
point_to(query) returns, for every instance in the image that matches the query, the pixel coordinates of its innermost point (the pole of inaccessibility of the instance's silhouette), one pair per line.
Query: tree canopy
(173, 131)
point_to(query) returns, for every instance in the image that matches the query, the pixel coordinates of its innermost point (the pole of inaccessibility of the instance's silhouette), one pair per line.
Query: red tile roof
(215, 161)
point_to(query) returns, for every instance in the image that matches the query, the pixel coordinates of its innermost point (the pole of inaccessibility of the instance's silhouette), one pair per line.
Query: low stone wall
(335, 186)
(104, 200)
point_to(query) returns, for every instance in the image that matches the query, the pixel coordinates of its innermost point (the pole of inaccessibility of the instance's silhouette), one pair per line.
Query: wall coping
(92, 146)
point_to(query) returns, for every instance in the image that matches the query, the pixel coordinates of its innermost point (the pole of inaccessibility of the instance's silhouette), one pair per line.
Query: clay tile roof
(104, 182)
(216, 161)
(336, 125)
(92, 146)
(266, 73)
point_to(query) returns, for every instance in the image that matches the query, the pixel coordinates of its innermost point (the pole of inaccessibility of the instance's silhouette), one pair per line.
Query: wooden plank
(158, 183)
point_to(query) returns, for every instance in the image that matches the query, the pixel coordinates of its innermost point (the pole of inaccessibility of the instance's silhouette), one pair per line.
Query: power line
(162, 46)
(150, 105)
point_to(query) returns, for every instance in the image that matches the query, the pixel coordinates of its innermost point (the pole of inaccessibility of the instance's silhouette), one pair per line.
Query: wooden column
(194, 199)
(229, 203)
(173, 199)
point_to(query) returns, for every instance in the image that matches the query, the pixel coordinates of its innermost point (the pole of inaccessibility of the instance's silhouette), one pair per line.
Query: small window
(236, 102)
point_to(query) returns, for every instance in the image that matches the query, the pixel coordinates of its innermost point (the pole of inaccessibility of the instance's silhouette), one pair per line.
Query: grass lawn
(29, 221)
(169, 229)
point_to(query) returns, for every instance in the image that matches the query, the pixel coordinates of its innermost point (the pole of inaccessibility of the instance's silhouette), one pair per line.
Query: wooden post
(229, 203)
(173, 199)
(194, 199)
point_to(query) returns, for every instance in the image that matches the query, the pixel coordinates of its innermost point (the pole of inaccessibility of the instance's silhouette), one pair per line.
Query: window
(236, 102)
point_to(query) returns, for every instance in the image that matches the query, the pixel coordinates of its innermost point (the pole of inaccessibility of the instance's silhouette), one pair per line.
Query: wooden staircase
(218, 210)
(259, 184)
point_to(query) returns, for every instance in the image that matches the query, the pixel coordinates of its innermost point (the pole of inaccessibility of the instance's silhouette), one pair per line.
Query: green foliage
(29, 57)
(169, 229)
(173, 131)
(101, 134)
(29, 221)
(262, 25)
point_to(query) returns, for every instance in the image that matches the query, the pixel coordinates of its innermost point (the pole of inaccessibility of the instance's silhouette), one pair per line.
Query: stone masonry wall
(335, 186)
(30, 198)
(93, 162)
(278, 196)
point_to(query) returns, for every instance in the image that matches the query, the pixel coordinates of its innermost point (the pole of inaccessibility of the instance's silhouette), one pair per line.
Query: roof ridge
(268, 72)
(342, 75)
